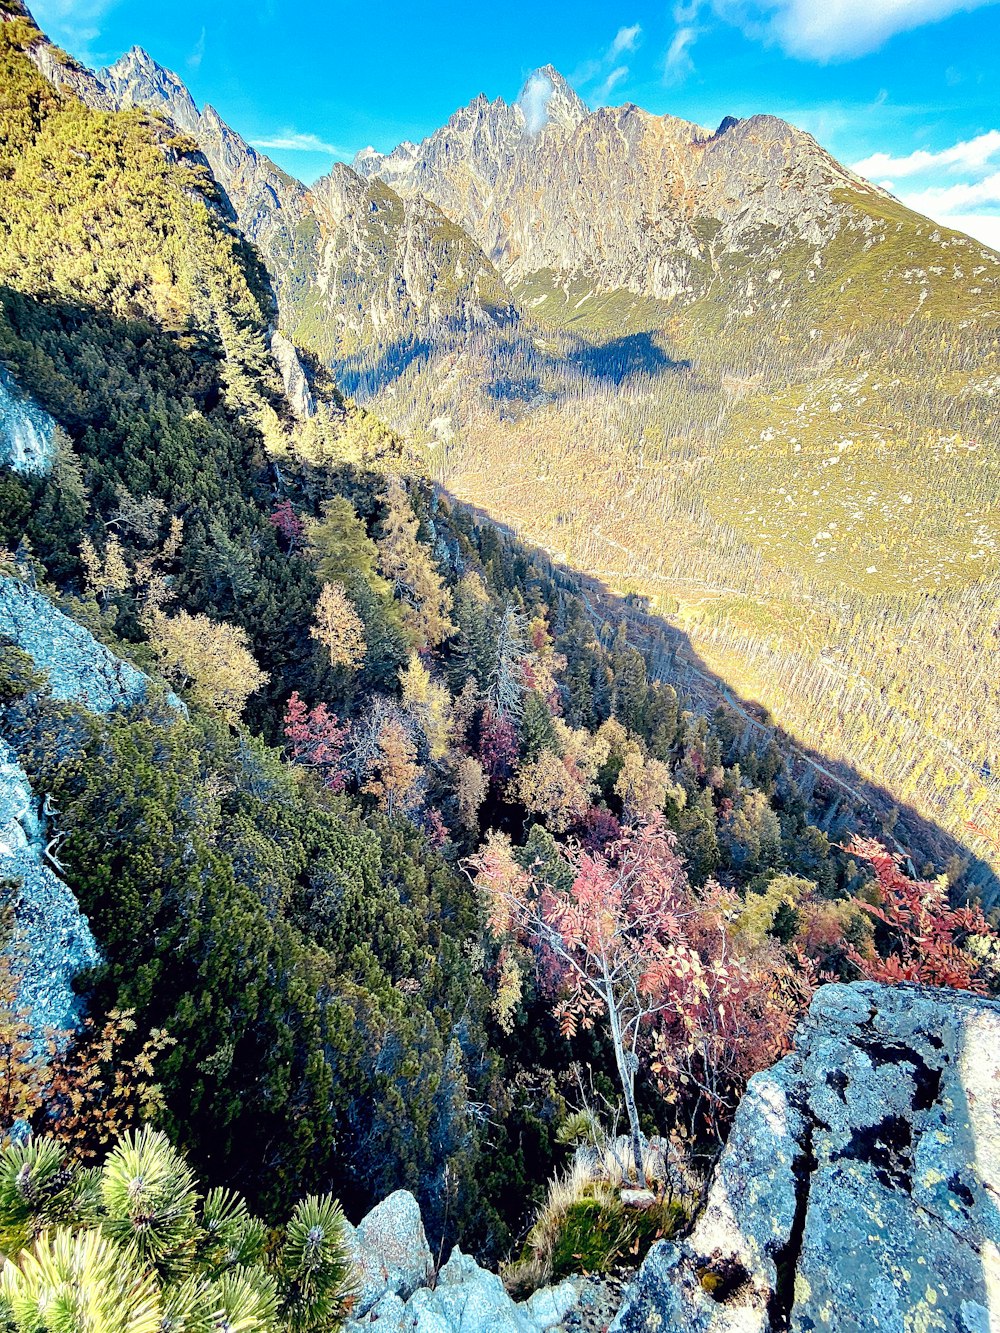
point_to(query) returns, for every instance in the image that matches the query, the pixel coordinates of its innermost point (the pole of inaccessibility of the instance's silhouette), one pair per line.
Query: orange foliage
(88, 1089)
(927, 932)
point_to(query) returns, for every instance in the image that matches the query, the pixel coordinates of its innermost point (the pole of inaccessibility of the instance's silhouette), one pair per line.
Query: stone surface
(859, 1188)
(398, 1290)
(390, 1250)
(26, 431)
(51, 940)
(641, 1199)
(78, 667)
(300, 399)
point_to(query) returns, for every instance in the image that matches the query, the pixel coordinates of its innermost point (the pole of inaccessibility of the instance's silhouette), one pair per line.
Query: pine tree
(408, 565)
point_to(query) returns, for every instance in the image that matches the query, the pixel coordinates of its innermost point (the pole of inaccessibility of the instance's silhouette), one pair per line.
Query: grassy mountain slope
(302, 925)
(786, 430)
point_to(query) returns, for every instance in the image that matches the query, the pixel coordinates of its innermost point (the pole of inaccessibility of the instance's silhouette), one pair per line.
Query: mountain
(619, 195)
(353, 263)
(421, 869)
(653, 205)
(272, 208)
(768, 387)
(770, 390)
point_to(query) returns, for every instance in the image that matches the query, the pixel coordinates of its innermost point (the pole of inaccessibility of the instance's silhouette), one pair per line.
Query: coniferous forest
(353, 864)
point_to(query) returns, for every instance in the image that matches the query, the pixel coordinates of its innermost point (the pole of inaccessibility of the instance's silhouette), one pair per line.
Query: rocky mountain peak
(547, 99)
(367, 158)
(136, 79)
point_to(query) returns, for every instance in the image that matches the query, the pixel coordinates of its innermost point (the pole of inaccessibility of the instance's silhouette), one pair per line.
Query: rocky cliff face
(272, 208)
(858, 1192)
(391, 266)
(26, 431)
(50, 940)
(400, 1293)
(630, 199)
(859, 1188)
(78, 668)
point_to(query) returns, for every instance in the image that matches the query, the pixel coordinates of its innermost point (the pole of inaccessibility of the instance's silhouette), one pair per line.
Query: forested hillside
(408, 757)
(771, 392)
(756, 391)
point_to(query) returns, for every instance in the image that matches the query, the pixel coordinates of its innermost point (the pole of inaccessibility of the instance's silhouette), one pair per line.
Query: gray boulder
(390, 1251)
(78, 667)
(398, 1291)
(859, 1188)
(51, 940)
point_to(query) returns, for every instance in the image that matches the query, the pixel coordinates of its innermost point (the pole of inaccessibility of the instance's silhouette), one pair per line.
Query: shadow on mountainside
(841, 800)
(517, 366)
(621, 359)
(138, 368)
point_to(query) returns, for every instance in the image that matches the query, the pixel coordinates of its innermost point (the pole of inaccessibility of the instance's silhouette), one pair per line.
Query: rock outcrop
(26, 431)
(398, 1292)
(50, 941)
(297, 390)
(859, 1189)
(79, 669)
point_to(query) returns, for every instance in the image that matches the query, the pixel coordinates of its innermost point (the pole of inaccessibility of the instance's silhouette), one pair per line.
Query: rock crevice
(859, 1188)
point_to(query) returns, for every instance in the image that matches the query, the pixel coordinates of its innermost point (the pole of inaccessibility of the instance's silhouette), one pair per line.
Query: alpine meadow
(499, 700)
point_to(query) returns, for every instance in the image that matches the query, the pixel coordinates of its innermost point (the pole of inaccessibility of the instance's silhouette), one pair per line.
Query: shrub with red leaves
(927, 933)
(316, 740)
(288, 524)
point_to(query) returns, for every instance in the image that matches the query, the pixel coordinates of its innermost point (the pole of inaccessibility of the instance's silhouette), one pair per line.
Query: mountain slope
(714, 369)
(352, 263)
(771, 392)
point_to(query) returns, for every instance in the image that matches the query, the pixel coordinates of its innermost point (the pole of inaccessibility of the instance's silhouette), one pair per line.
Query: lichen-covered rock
(859, 1188)
(51, 940)
(78, 667)
(26, 431)
(398, 1291)
(390, 1250)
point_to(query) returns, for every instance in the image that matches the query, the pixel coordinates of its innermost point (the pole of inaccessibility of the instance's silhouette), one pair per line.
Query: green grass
(576, 305)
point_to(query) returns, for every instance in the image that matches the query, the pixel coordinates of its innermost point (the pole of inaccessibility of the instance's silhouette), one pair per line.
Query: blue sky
(909, 89)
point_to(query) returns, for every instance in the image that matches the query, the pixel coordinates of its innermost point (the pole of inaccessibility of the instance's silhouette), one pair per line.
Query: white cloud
(74, 24)
(970, 204)
(969, 155)
(614, 78)
(292, 141)
(678, 63)
(80, 11)
(607, 66)
(198, 54)
(984, 227)
(836, 29)
(626, 39)
(534, 102)
(951, 199)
